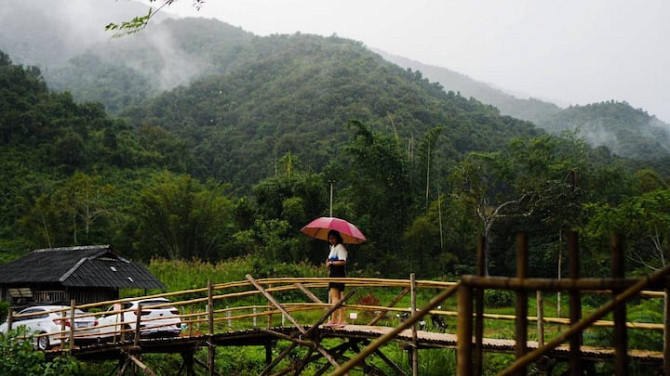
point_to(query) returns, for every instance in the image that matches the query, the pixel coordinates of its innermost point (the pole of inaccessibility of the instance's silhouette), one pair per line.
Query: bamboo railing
(237, 306)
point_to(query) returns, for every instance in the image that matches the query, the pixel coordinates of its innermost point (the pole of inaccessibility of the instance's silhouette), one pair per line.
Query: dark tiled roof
(87, 266)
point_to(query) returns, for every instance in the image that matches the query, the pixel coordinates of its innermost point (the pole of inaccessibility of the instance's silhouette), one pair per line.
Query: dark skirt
(337, 271)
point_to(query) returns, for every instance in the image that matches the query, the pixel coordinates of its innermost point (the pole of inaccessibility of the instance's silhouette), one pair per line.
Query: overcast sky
(570, 52)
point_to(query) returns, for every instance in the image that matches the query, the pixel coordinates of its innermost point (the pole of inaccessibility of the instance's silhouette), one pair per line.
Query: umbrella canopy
(320, 227)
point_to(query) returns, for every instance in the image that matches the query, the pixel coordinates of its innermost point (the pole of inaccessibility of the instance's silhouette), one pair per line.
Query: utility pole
(331, 181)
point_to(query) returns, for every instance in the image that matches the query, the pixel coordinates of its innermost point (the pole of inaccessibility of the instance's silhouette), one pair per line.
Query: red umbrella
(319, 228)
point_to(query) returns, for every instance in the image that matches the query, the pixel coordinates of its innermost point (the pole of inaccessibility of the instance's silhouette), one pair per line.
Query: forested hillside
(616, 125)
(628, 132)
(125, 71)
(120, 72)
(234, 164)
(531, 109)
(297, 95)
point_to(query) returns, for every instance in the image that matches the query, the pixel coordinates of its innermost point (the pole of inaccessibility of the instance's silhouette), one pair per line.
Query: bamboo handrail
(404, 325)
(246, 296)
(312, 282)
(588, 321)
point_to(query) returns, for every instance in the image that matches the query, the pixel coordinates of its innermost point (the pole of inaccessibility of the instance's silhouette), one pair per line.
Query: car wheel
(43, 342)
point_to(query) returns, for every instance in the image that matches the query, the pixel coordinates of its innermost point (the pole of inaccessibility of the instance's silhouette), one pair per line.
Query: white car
(157, 318)
(49, 319)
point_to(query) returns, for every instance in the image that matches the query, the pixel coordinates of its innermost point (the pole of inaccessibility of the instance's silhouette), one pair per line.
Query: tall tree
(643, 219)
(380, 194)
(180, 218)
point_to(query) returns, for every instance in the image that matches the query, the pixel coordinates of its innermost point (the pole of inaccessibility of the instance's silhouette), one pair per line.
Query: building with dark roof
(86, 274)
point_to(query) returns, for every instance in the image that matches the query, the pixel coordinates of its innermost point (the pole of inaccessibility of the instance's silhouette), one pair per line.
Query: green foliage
(179, 218)
(498, 298)
(285, 100)
(236, 163)
(4, 310)
(132, 26)
(19, 358)
(627, 131)
(184, 275)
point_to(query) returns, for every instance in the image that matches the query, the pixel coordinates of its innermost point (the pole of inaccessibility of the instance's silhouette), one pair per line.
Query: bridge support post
(666, 315)
(666, 330)
(10, 317)
(268, 353)
(619, 313)
(72, 326)
(521, 299)
(415, 348)
(479, 310)
(187, 358)
(575, 305)
(464, 331)
(210, 320)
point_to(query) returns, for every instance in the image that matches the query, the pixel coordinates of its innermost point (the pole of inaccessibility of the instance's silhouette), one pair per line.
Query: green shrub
(498, 298)
(19, 358)
(4, 310)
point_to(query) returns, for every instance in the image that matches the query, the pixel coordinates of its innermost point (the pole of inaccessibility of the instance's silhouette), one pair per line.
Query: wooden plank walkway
(262, 337)
(427, 339)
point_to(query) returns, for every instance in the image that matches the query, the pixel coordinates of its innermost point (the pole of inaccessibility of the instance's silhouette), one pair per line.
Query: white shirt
(338, 252)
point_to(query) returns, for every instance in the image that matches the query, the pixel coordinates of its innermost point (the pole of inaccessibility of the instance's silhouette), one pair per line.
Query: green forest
(207, 168)
(233, 165)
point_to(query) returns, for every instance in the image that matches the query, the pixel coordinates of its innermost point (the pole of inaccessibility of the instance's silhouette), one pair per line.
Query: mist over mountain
(48, 33)
(621, 128)
(530, 109)
(229, 141)
(67, 41)
(295, 94)
(626, 131)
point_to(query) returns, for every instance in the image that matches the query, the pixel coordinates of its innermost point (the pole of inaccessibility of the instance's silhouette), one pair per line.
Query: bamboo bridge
(267, 312)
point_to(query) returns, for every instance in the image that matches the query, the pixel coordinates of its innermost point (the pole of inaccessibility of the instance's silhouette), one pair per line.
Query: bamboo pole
(540, 318)
(391, 304)
(388, 336)
(269, 309)
(274, 302)
(464, 331)
(575, 305)
(619, 313)
(141, 365)
(309, 294)
(72, 326)
(138, 317)
(546, 284)
(390, 363)
(10, 318)
(666, 330)
(210, 321)
(415, 348)
(63, 317)
(279, 357)
(584, 323)
(478, 356)
(521, 323)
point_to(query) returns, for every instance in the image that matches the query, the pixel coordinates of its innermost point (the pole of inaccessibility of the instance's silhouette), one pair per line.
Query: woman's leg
(335, 297)
(340, 311)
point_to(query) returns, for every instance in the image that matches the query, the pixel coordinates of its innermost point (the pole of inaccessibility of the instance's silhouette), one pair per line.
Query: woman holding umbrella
(336, 262)
(336, 231)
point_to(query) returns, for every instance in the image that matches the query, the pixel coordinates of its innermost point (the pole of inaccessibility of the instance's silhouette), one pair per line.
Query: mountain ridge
(125, 71)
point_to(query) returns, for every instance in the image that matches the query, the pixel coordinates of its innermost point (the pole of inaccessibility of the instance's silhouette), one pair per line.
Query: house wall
(54, 294)
(93, 295)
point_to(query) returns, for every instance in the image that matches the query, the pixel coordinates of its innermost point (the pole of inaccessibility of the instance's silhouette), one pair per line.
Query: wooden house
(86, 274)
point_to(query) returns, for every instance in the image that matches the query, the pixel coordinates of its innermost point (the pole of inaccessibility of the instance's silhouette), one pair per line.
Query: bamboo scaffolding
(587, 321)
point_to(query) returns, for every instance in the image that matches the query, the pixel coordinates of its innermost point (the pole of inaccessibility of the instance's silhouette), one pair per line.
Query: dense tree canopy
(235, 164)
